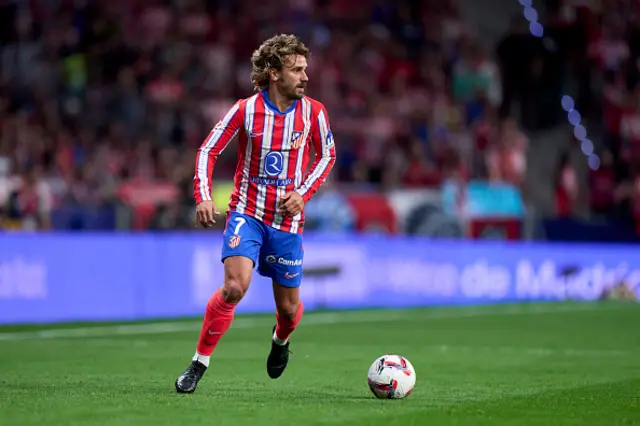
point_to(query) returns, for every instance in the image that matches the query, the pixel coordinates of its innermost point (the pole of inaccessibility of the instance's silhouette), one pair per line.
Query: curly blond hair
(271, 55)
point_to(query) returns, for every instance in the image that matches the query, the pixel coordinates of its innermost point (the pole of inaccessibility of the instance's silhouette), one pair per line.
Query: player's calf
(287, 318)
(217, 320)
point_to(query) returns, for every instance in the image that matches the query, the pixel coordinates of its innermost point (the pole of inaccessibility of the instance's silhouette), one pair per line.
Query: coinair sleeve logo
(330, 141)
(273, 163)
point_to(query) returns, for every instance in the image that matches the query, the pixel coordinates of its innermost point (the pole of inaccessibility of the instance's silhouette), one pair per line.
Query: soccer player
(276, 129)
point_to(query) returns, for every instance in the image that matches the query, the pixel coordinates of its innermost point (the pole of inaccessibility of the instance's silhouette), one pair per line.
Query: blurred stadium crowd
(104, 103)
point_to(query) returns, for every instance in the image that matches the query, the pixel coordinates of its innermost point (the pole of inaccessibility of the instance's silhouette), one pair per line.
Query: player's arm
(208, 153)
(293, 202)
(325, 150)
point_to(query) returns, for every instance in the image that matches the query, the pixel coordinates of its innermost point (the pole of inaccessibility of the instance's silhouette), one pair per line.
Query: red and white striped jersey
(273, 154)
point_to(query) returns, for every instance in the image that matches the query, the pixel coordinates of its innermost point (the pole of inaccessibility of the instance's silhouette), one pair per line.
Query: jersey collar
(273, 107)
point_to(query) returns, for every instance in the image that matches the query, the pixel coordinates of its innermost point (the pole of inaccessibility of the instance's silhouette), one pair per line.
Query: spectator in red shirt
(602, 186)
(566, 187)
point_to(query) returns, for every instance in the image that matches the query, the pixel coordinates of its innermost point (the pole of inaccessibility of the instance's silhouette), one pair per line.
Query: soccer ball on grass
(391, 377)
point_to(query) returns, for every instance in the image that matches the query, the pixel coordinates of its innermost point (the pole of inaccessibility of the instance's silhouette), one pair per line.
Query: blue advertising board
(110, 276)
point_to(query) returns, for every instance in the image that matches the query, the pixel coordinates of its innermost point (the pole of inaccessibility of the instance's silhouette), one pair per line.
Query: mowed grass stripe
(311, 318)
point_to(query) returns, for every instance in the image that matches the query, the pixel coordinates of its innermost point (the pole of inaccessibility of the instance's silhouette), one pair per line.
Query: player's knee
(288, 309)
(237, 277)
(235, 286)
(233, 290)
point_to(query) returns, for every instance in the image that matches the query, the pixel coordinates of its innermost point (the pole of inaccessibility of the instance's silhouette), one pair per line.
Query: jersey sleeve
(325, 151)
(213, 145)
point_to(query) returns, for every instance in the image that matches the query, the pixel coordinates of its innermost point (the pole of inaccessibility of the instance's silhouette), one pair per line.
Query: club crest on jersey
(296, 139)
(234, 241)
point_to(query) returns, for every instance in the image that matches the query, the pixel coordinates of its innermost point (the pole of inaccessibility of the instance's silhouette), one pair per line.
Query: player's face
(293, 77)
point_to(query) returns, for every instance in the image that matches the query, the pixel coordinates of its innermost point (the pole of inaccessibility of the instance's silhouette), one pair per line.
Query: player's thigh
(281, 258)
(242, 240)
(237, 277)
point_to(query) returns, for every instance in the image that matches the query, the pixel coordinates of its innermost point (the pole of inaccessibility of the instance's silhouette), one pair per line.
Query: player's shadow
(257, 394)
(265, 395)
(333, 397)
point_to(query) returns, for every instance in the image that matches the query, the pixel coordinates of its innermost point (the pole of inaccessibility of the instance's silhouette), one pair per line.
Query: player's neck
(281, 102)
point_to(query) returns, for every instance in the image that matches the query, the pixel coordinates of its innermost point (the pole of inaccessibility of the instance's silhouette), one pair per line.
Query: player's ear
(274, 75)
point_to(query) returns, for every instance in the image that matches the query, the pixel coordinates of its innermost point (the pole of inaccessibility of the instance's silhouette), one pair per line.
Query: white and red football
(391, 377)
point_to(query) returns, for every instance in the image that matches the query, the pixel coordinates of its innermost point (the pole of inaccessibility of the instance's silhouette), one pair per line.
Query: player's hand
(205, 213)
(291, 203)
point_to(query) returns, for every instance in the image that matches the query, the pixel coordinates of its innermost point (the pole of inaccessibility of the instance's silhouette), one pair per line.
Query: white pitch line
(533, 351)
(311, 319)
(115, 342)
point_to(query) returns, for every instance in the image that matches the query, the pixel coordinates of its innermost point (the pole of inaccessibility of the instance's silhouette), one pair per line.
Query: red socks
(217, 319)
(285, 326)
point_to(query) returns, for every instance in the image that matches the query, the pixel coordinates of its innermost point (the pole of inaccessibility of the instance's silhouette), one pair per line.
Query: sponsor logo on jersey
(287, 262)
(270, 181)
(273, 163)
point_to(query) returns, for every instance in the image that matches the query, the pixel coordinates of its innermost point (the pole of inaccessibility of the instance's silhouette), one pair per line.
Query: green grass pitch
(526, 364)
